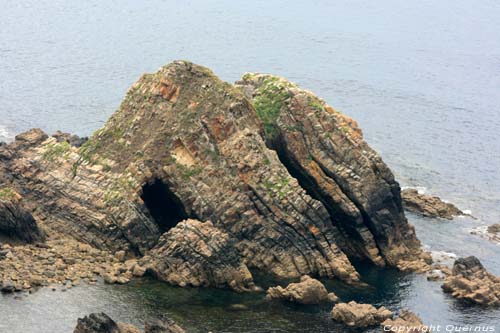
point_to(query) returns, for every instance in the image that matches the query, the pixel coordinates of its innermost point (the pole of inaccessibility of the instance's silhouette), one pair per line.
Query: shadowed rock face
(325, 151)
(291, 189)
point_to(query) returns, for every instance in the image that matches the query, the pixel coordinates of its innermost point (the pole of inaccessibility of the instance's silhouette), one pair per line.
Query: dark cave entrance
(165, 207)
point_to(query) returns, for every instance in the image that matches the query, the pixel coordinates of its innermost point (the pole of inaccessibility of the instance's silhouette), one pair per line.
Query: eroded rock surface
(197, 254)
(307, 291)
(360, 315)
(470, 281)
(287, 182)
(428, 206)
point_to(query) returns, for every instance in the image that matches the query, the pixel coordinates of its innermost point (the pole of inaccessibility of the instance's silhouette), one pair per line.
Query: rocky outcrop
(471, 282)
(325, 151)
(288, 183)
(428, 206)
(197, 254)
(307, 291)
(102, 323)
(353, 314)
(406, 321)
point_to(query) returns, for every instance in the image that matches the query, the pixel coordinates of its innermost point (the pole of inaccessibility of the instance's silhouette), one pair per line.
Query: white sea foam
(420, 189)
(443, 256)
(4, 134)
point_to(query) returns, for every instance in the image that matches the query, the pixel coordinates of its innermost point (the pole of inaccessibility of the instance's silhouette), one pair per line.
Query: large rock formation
(307, 291)
(471, 282)
(287, 182)
(428, 206)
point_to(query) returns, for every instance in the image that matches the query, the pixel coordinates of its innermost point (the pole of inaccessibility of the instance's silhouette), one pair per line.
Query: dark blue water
(421, 77)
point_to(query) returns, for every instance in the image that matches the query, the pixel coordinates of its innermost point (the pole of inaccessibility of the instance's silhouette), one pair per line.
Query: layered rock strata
(325, 151)
(288, 183)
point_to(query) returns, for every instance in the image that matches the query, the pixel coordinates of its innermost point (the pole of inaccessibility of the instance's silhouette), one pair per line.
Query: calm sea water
(421, 77)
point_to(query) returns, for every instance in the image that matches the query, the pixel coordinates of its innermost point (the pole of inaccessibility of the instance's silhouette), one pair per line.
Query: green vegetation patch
(270, 98)
(7, 193)
(281, 187)
(56, 150)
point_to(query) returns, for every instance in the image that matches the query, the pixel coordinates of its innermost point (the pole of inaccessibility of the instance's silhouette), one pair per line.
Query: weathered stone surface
(407, 321)
(428, 206)
(325, 151)
(360, 315)
(197, 254)
(102, 323)
(471, 282)
(186, 145)
(307, 291)
(16, 223)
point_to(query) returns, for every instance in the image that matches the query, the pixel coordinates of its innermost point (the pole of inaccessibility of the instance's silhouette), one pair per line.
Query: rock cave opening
(165, 207)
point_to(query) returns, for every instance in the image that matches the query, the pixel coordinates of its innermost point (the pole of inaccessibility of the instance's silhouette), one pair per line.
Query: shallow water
(421, 78)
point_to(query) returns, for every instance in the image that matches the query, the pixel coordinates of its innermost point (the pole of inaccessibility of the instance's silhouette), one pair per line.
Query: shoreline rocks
(358, 315)
(102, 323)
(307, 291)
(63, 262)
(471, 282)
(428, 206)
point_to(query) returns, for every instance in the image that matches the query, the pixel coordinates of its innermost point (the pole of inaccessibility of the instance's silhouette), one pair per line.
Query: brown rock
(407, 321)
(471, 282)
(307, 291)
(428, 206)
(360, 315)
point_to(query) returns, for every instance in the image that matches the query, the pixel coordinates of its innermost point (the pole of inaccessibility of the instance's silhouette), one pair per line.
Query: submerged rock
(307, 291)
(428, 206)
(97, 323)
(102, 323)
(288, 183)
(406, 321)
(470, 281)
(360, 315)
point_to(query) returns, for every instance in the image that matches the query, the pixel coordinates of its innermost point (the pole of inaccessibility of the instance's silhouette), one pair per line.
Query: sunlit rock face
(287, 182)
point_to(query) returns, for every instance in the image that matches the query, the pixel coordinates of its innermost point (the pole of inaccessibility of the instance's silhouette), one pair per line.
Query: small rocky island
(198, 183)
